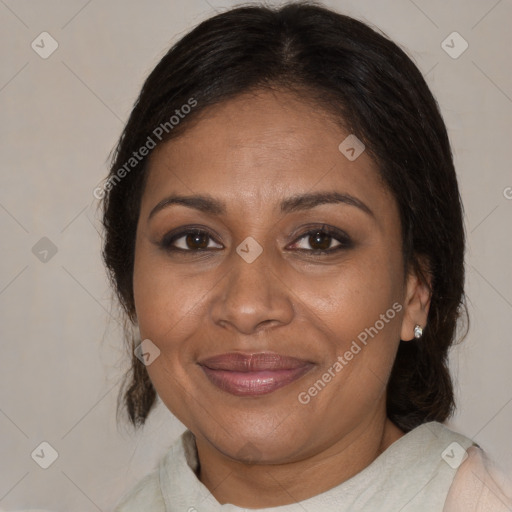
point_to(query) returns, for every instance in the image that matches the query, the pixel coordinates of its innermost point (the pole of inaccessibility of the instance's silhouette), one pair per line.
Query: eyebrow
(207, 204)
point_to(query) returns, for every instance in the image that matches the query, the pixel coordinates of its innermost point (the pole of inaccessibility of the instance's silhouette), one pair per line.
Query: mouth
(253, 374)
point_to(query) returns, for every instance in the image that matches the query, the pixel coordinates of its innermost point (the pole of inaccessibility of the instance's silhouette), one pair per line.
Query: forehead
(259, 147)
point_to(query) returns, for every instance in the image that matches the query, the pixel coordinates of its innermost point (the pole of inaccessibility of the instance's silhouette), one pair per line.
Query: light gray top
(414, 474)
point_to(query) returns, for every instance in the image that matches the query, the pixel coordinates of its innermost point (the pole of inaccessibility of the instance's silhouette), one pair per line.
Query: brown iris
(321, 240)
(197, 240)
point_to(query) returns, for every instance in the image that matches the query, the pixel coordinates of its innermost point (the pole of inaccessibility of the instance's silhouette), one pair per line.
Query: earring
(418, 331)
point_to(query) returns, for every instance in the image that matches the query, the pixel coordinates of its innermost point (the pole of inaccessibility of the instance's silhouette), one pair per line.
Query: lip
(253, 374)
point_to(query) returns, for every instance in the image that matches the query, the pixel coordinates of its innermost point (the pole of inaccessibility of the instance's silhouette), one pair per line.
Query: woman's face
(270, 349)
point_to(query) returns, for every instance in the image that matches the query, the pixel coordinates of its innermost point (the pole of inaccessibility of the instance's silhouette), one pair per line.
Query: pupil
(321, 239)
(197, 240)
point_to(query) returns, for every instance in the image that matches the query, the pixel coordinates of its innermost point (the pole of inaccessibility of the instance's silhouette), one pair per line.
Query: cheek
(164, 303)
(358, 311)
(359, 317)
(170, 303)
(167, 306)
(352, 297)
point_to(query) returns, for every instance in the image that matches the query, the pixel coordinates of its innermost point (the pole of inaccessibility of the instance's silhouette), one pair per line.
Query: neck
(272, 485)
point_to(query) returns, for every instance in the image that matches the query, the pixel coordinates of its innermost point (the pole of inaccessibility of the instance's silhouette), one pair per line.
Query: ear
(417, 300)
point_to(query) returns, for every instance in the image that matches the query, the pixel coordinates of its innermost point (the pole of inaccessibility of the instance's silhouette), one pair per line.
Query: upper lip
(242, 362)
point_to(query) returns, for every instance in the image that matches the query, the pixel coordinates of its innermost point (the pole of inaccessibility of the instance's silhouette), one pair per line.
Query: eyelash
(339, 236)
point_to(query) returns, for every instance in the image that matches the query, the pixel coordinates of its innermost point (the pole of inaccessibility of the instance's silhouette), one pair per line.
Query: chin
(258, 444)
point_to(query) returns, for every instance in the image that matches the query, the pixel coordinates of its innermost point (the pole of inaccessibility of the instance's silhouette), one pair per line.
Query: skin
(251, 153)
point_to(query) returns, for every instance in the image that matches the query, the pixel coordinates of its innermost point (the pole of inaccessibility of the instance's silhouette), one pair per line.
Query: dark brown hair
(375, 90)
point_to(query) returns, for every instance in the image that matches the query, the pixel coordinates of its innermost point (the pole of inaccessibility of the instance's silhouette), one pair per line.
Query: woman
(284, 227)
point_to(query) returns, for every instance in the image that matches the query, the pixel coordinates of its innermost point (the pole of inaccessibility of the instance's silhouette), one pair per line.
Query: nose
(252, 297)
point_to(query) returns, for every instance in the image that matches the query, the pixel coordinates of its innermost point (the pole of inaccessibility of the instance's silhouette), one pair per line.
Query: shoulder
(432, 443)
(146, 495)
(479, 485)
(150, 493)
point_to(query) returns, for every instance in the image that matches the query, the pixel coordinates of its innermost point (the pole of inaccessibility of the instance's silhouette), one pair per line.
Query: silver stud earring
(418, 331)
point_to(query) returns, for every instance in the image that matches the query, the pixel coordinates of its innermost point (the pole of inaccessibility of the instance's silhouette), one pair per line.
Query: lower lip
(253, 383)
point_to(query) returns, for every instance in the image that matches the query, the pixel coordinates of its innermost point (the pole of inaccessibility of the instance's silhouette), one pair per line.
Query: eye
(191, 240)
(321, 241)
(199, 240)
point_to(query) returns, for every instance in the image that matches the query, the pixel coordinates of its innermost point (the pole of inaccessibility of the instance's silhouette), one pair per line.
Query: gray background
(62, 352)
